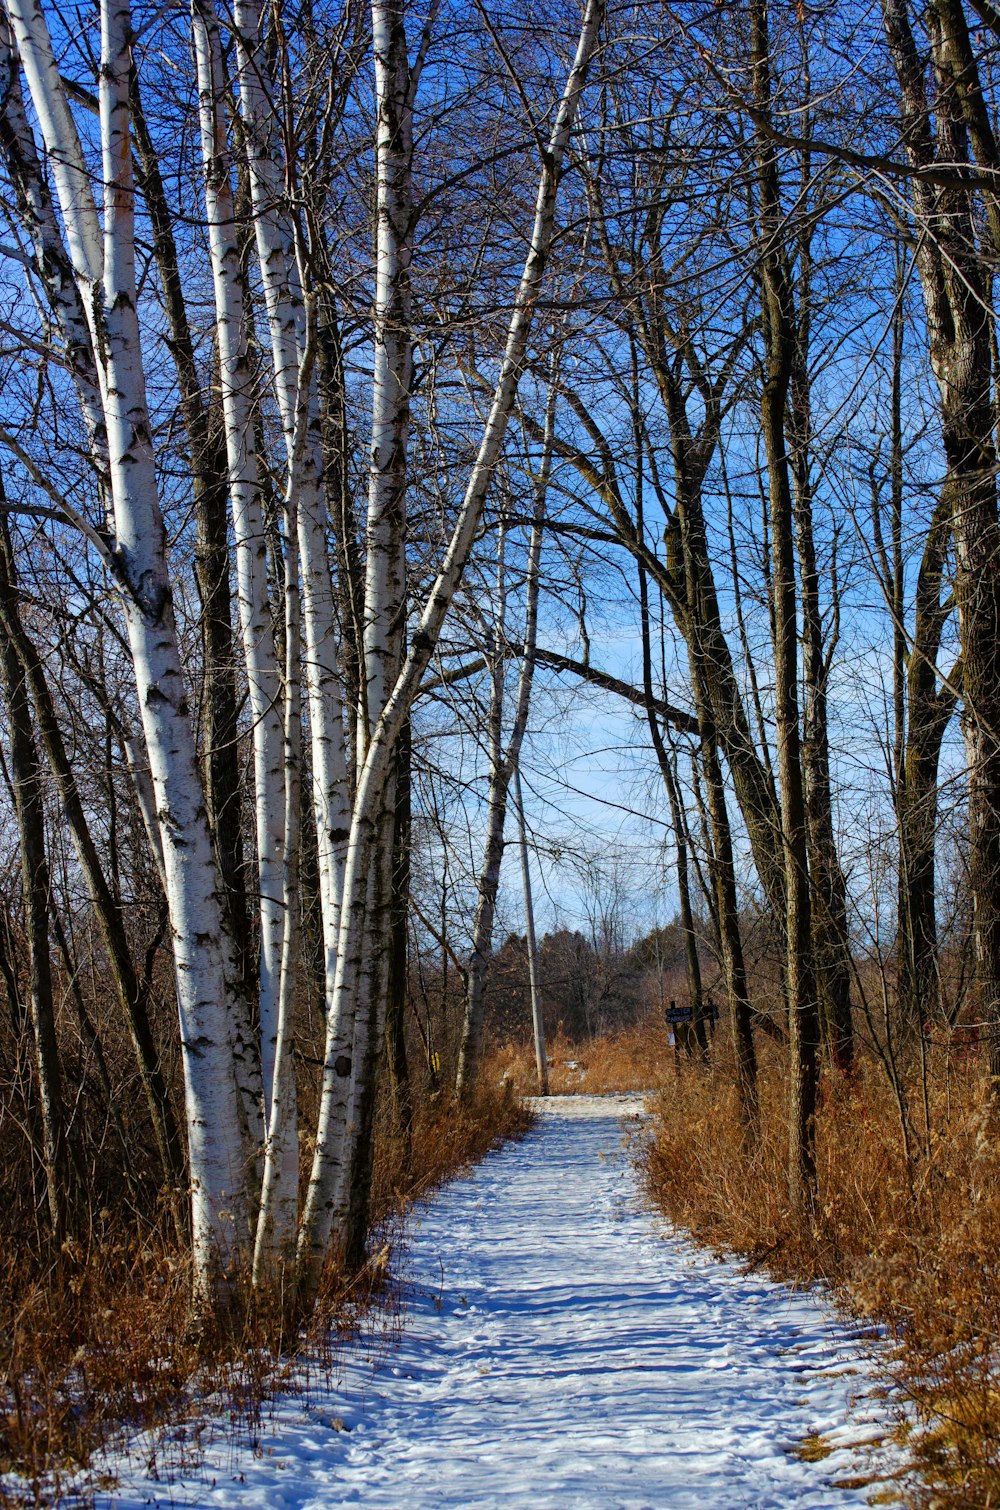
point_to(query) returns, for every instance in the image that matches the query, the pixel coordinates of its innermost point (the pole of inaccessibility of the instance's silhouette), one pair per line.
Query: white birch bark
(214, 1114)
(53, 263)
(62, 141)
(356, 1084)
(319, 1214)
(355, 1037)
(278, 1221)
(369, 1025)
(106, 280)
(260, 656)
(385, 584)
(354, 1040)
(282, 281)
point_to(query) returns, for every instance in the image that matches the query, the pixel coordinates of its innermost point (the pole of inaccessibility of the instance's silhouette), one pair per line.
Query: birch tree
(103, 262)
(321, 1213)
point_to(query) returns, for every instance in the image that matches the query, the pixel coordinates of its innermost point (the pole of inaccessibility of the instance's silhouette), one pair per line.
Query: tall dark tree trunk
(976, 531)
(727, 904)
(829, 889)
(778, 320)
(702, 628)
(921, 714)
(955, 259)
(397, 982)
(26, 778)
(929, 710)
(132, 990)
(668, 771)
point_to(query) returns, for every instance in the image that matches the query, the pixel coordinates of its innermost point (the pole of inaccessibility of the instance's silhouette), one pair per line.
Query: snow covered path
(559, 1350)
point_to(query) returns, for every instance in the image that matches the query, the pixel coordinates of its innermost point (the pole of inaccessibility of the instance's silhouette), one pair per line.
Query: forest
(499, 536)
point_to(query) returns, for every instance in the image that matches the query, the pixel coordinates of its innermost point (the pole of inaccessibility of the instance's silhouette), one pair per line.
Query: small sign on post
(678, 1014)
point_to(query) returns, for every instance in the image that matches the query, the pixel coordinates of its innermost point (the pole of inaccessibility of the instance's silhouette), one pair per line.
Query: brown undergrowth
(913, 1242)
(98, 1344)
(636, 1059)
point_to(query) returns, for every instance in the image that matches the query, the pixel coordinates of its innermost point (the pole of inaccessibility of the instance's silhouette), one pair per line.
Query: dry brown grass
(636, 1059)
(916, 1246)
(100, 1341)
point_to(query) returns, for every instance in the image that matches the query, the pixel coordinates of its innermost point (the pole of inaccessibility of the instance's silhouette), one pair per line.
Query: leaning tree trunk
(320, 1208)
(205, 984)
(723, 872)
(665, 759)
(52, 262)
(702, 632)
(504, 763)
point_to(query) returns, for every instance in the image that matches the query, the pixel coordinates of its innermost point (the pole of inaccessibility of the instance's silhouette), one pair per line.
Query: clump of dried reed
(634, 1059)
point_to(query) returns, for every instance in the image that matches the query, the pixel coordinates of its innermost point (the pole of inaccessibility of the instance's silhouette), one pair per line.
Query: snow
(561, 1348)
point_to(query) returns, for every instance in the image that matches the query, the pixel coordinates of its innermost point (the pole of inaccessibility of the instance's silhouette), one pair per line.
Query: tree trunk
(397, 984)
(207, 443)
(26, 777)
(320, 1203)
(929, 710)
(664, 759)
(204, 975)
(277, 1225)
(956, 279)
(534, 980)
(281, 255)
(779, 352)
(828, 887)
(131, 991)
(504, 762)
